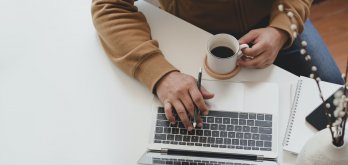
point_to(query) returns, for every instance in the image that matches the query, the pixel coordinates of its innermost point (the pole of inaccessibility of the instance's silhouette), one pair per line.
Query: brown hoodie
(125, 34)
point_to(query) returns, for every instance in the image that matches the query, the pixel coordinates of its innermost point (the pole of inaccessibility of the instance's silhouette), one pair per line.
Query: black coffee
(222, 52)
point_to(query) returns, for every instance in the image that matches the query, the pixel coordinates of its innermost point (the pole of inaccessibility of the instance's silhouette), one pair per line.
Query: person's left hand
(266, 44)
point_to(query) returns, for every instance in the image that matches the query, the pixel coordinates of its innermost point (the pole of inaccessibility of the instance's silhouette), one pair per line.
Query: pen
(199, 81)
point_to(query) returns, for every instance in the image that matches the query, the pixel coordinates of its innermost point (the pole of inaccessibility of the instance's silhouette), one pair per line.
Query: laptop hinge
(166, 151)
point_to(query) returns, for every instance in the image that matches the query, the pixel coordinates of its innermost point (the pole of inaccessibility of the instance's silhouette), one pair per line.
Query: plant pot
(319, 150)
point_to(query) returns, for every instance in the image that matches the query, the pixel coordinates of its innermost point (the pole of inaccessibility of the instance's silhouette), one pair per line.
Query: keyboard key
(226, 120)
(175, 130)
(234, 121)
(268, 144)
(182, 143)
(178, 137)
(194, 138)
(160, 136)
(193, 132)
(207, 133)
(222, 146)
(235, 141)
(239, 135)
(186, 138)
(190, 144)
(219, 140)
(247, 135)
(163, 123)
(238, 128)
(251, 143)
(198, 144)
(266, 149)
(204, 119)
(199, 132)
(211, 140)
(250, 122)
(256, 137)
(247, 148)
(170, 137)
(243, 142)
(206, 126)
(181, 125)
(231, 134)
(227, 141)
(252, 116)
(263, 123)
(159, 129)
(210, 119)
(260, 117)
(206, 145)
(218, 120)
(246, 129)
(265, 130)
(165, 142)
(157, 141)
(242, 122)
(254, 129)
(243, 115)
(223, 134)
(222, 127)
(161, 116)
(183, 131)
(214, 127)
(214, 145)
(160, 110)
(167, 130)
(215, 133)
(255, 148)
(259, 143)
(203, 139)
(268, 117)
(230, 127)
(174, 142)
(231, 147)
(239, 147)
(266, 137)
(223, 114)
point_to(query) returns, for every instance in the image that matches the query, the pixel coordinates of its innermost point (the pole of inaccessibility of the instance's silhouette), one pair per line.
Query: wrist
(163, 79)
(282, 35)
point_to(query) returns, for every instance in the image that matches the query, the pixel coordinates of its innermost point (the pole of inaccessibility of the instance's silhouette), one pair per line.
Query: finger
(199, 122)
(257, 62)
(249, 37)
(206, 94)
(256, 50)
(189, 105)
(198, 100)
(169, 112)
(180, 109)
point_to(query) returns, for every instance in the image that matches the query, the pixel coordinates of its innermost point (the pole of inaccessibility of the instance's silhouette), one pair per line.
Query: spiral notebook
(306, 100)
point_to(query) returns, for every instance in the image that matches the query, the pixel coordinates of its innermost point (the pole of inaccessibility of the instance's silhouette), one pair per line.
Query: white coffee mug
(226, 65)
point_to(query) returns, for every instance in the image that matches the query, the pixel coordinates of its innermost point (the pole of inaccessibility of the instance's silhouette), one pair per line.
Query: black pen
(196, 111)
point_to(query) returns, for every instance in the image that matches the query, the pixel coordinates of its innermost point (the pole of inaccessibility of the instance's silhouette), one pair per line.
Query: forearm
(279, 20)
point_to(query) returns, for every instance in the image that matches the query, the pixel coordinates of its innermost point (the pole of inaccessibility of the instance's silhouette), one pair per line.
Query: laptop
(241, 128)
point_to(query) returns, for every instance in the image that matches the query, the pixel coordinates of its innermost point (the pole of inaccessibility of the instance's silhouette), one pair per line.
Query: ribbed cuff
(153, 69)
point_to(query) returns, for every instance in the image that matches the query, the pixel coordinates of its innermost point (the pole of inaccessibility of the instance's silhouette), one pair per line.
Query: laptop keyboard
(192, 162)
(221, 129)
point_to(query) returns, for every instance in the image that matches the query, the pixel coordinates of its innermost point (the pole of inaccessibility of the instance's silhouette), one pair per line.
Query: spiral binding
(292, 114)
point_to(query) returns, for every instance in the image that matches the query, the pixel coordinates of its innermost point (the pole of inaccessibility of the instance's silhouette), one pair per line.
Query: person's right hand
(180, 91)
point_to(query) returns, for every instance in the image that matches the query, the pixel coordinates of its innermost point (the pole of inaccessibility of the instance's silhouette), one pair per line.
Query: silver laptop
(241, 128)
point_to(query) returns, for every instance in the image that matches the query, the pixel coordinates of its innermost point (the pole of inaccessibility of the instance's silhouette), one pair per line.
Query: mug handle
(242, 46)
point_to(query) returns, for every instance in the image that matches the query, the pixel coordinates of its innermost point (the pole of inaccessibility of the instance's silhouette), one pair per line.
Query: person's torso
(221, 16)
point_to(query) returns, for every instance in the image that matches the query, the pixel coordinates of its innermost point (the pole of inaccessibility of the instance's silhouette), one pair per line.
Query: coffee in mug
(223, 51)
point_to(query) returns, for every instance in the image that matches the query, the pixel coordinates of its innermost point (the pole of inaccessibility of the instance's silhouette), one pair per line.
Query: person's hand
(266, 44)
(180, 91)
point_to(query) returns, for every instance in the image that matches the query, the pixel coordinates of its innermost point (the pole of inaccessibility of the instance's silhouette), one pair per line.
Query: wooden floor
(331, 20)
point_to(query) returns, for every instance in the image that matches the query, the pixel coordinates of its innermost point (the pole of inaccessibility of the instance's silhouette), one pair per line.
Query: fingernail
(205, 113)
(190, 128)
(200, 125)
(173, 122)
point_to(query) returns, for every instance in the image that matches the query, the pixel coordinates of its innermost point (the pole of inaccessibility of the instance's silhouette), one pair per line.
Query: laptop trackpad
(228, 96)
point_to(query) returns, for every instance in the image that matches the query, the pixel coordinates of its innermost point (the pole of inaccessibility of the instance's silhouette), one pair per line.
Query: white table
(62, 101)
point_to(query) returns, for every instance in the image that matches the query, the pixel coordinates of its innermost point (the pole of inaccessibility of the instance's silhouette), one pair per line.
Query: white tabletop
(62, 101)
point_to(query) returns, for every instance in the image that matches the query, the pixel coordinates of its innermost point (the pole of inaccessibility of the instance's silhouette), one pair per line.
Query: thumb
(206, 94)
(249, 37)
